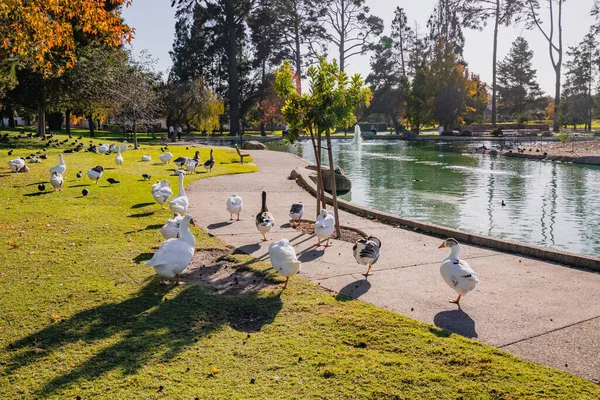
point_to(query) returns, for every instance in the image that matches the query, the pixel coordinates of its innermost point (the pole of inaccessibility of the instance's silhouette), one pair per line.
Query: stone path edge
(301, 176)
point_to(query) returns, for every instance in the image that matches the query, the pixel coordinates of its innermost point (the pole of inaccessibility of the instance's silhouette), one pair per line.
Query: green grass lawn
(81, 316)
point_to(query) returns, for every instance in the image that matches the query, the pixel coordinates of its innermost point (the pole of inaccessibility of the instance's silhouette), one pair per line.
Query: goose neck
(455, 253)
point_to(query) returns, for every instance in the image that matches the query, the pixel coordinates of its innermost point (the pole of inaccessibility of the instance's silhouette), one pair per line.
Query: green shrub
(564, 136)
(547, 134)
(497, 132)
(466, 133)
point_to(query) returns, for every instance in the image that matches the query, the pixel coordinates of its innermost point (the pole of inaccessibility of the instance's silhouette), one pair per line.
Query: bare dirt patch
(348, 235)
(576, 149)
(211, 268)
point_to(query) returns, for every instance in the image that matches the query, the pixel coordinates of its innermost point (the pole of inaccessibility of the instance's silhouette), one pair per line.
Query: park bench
(242, 155)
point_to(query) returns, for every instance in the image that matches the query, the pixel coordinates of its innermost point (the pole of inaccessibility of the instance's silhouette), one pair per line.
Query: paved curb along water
(569, 259)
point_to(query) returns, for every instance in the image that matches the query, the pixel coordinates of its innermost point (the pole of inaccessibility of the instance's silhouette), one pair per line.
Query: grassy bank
(82, 316)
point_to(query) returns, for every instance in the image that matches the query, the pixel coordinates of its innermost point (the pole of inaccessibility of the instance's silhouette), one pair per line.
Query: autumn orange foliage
(42, 33)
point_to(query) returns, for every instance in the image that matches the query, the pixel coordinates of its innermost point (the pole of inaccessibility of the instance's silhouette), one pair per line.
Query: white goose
(170, 230)
(366, 252)
(103, 148)
(61, 167)
(174, 255)
(180, 203)
(16, 165)
(123, 148)
(324, 226)
(161, 191)
(165, 157)
(56, 180)
(95, 173)
(119, 157)
(192, 163)
(456, 272)
(283, 259)
(234, 206)
(296, 213)
(146, 158)
(264, 219)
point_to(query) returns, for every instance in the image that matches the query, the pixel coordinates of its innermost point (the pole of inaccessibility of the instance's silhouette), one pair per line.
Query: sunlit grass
(82, 316)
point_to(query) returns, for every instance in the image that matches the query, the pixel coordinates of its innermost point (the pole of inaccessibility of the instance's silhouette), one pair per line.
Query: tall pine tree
(517, 87)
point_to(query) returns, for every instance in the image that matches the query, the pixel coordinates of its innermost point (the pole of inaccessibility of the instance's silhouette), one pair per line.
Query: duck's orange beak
(443, 245)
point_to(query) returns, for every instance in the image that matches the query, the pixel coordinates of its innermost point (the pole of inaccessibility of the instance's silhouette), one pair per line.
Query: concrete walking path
(540, 311)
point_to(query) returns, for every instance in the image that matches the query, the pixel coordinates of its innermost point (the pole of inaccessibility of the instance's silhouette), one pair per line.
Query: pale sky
(154, 22)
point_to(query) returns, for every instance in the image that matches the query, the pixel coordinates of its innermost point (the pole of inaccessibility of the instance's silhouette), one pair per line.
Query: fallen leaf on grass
(37, 350)
(214, 370)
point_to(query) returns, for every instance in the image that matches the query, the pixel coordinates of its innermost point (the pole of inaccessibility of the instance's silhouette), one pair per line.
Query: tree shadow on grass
(456, 321)
(148, 329)
(34, 194)
(141, 215)
(80, 185)
(141, 205)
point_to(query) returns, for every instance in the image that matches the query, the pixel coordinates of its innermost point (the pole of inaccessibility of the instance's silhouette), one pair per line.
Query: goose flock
(176, 253)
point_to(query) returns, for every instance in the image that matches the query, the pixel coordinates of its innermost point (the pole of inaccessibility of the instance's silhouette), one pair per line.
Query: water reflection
(446, 183)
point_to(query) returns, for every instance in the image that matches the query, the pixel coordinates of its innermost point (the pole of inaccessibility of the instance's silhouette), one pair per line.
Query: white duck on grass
(123, 148)
(56, 180)
(283, 259)
(179, 204)
(264, 219)
(170, 230)
(161, 191)
(234, 206)
(456, 272)
(174, 255)
(324, 226)
(61, 167)
(119, 157)
(95, 173)
(16, 165)
(366, 252)
(192, 163)
(296, 213)
(165, 157)
(146, 158)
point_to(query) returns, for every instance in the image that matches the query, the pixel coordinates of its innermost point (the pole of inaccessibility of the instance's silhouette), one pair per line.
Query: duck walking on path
(234, 206)
(264, 219)
(284, 260)
(174, 255)
(296, 213)
(324, 226)
(456, 272)
(366, 252)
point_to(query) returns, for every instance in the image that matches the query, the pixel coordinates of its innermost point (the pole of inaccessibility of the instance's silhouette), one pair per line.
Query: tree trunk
(11, 117)
(556, 125)
(338, 232)
(342, 36)
(234, 105)
(263, 132)
(494, 66)
(68, 122)
(316, 151)
(91, 125)
(298, 55)
(41, 122)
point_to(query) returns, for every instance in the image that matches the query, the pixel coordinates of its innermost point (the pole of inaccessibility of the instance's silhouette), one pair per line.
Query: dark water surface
(550, 204)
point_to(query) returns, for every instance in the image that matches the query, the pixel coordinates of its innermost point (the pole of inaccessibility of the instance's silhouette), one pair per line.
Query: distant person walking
(171, 133)
(179, 133)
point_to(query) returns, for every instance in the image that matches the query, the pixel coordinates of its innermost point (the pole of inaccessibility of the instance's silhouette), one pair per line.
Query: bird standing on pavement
(264, 219)
(234, 206)
(456, 272)
(366, 252)
(296, 213)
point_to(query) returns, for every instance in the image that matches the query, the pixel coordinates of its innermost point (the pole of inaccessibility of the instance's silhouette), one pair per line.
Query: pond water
(549, 204)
